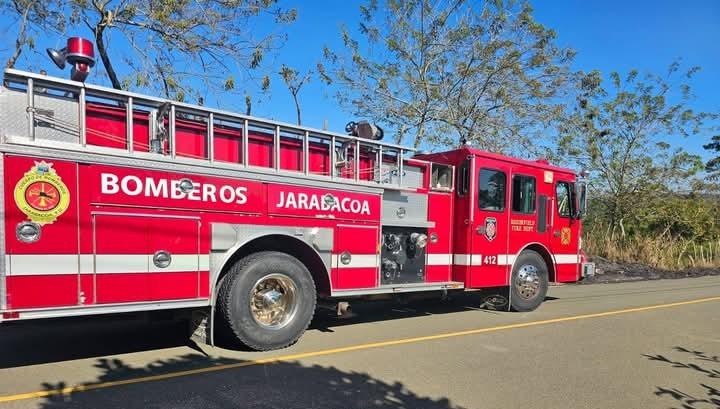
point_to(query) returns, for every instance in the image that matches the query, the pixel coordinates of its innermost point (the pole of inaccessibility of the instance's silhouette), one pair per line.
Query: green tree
(176, 42)
(442, 72)
(176, 47)
(713, 165)
(622, 131)
(689, 216)
(294, 81)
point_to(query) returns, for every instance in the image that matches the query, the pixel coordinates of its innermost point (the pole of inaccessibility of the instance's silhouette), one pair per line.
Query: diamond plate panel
(56, 118)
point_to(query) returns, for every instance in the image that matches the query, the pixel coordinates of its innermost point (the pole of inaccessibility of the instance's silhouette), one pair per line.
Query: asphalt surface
(594, 346)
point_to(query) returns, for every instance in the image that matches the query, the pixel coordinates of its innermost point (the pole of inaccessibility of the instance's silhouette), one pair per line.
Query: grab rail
(129, 100)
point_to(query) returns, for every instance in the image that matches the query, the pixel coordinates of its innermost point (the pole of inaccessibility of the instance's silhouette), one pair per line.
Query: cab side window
(562, 196)
(523, 194)
(491, 190)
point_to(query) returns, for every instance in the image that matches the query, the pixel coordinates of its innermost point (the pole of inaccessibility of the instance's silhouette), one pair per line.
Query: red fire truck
(114, 202)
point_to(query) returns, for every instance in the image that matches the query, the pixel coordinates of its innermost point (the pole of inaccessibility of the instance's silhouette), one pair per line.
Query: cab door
(564, 231)
(489, 225)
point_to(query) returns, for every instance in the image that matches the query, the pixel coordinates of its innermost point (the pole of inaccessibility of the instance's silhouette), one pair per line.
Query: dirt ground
(607, 271)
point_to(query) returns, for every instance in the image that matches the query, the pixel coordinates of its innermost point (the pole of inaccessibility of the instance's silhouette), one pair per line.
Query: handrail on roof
(97, 90)
(131, 99)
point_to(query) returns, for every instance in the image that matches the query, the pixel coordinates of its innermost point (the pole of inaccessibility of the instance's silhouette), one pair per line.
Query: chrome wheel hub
(273, 301)
(527, 282)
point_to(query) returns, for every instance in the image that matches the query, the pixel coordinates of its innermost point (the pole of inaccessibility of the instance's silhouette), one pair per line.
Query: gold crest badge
(41, 194)
(565, 236)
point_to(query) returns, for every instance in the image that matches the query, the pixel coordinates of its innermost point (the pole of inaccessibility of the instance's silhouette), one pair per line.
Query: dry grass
(661, 251)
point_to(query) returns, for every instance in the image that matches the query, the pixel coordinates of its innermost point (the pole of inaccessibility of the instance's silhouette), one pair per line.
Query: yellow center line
(88, 387)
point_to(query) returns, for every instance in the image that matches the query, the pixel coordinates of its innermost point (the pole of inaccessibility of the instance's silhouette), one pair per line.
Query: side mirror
(581, 188)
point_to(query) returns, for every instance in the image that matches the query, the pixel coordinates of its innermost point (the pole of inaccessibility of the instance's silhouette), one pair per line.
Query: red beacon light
(80, 53)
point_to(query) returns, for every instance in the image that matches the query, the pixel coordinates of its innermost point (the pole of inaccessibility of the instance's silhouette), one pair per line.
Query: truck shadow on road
(400, 308)
(235, 384)
(40, 342)
(700, 364)
(49, 341)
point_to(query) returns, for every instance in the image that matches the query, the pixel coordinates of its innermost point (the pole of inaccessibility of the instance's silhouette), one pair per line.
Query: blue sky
(609, 35)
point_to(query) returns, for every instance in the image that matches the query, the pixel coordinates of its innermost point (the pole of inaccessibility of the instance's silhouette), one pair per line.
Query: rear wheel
(529, 282)
(267, 300)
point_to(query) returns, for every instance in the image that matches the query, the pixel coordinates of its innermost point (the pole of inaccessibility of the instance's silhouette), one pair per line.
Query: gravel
(607, 271)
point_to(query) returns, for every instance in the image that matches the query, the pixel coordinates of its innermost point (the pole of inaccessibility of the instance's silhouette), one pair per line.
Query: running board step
(402, 288)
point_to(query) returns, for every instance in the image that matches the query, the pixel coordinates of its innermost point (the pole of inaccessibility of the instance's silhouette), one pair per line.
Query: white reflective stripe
(506, 259)
(56, 264)
(461, 259)
(40, 264)
(476, 259)
(178, 262)
(357, 261)
(204, 262)
(567, 259)
(86, 264)
(439, 259)
(121, 263)
(467, 259)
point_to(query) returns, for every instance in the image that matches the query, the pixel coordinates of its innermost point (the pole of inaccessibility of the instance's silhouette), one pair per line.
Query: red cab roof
(455, 156)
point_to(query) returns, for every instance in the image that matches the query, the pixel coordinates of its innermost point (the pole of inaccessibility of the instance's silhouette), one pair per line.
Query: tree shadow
(235, 384)
(700, 364)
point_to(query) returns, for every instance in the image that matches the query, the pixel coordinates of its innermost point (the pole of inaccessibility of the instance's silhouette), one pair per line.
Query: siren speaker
(58, 56)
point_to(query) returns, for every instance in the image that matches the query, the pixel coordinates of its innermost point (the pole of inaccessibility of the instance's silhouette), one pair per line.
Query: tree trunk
(100, 42)
(18, 50)
(420, 135)
(297, 108)
(248, 105)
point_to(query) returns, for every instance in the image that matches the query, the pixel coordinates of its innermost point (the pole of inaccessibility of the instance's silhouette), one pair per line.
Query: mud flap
(201, 326)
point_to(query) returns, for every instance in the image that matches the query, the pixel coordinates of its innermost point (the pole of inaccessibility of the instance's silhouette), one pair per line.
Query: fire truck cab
(516, 222)
(115, 202)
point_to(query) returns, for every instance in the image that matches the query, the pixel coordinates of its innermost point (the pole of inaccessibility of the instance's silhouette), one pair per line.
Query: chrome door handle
(162, 258)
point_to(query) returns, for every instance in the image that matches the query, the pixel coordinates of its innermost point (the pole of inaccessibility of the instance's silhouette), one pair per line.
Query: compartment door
(145, 258)
(355, 257)
(173, 258)
(44, 273)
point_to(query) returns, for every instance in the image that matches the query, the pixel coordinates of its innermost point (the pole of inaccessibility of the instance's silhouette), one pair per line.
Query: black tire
(236, 292)
(528, 282)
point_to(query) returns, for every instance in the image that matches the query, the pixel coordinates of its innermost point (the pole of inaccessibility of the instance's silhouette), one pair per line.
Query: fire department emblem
(490, 228)
(41, 194)
(565, 236)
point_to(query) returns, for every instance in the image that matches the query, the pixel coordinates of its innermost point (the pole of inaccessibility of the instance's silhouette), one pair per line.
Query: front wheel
(267, 300)
(529, 282)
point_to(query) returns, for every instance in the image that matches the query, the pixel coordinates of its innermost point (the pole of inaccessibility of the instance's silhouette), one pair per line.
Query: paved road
(595, 346)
